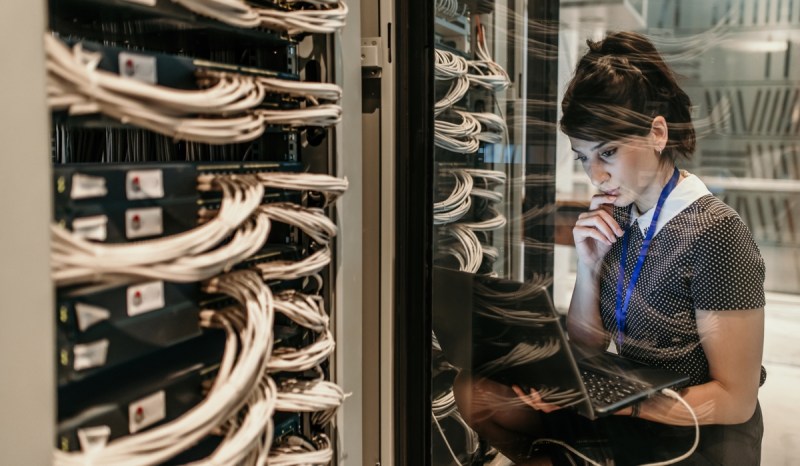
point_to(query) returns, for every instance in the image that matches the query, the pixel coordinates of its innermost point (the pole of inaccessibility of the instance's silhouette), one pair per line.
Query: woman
(690, 299)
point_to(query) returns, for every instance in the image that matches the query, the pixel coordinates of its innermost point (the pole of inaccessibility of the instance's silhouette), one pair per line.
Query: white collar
(690, 189)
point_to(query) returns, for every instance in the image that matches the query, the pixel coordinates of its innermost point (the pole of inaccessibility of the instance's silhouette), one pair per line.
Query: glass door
(493, 193)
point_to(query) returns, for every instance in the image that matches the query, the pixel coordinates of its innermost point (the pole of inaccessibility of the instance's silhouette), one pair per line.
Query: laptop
(510, 332)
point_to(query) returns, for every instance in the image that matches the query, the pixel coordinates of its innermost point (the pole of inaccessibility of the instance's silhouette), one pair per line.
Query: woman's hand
(534, 400)
(596, 231)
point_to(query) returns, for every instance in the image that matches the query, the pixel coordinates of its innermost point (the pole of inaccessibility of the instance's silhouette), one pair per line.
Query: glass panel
(496, 65)
(508, 192)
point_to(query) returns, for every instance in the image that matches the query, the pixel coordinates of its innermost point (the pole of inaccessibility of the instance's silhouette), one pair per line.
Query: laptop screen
(506, 331)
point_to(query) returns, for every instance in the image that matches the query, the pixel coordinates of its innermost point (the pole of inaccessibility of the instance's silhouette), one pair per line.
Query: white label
(95, 227)
(138, 67)
(86, 187)
(140, 223)
(93, 438)
(145, 297)
(88, 315)
(147, 411)
(90, 355)
(144, 184)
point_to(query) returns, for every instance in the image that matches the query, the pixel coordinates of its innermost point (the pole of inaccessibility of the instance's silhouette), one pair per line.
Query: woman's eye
(608, 153)
(580, 158)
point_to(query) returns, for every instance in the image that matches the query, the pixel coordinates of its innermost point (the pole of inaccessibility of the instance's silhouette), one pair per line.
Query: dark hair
(619, 87)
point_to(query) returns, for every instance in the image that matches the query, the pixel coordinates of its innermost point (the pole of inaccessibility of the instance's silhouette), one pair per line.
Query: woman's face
(628, 169)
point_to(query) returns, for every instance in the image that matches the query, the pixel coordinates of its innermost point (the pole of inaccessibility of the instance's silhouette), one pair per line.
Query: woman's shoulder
(709, 211)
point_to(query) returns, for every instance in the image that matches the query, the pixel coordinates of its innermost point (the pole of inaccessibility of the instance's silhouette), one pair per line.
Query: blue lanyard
(621, 308)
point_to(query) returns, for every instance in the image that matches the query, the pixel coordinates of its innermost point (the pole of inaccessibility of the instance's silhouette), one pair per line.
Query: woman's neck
(649, 198)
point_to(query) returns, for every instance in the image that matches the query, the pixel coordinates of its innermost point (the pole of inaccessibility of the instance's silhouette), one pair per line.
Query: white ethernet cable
(531, 288)
(490, 176)
(457, 203)
(308, 397)
(312, 221)
(75, 84)
(450, 9)
(487, 73)
(78, 68)
(445, 406)
(329, 16)
(331, 186)
(519, 317)
(458, 137)
(290, 270)
(321, 115)
(488, 194)
(304, 310)
(449, 65)
(309, 90)
(470, 255)
(233, 12)
(160, 443)
(297, 451)
(301, 359)
(493, 223)
(667, 392)
(523, 353)
(494, 128)
(458, 89)
(319, 21)
(245, 430)
(241, 197)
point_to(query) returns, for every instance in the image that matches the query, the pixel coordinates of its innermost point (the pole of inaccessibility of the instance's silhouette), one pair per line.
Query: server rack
(28, 437)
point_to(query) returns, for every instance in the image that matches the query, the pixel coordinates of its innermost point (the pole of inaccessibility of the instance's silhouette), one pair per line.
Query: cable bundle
(457, 203)
(247, 348)
(309, 396)
(494, 129)
(324, 17)
(301, 359)
(449, 65)
(486, 72)
(458, 89)
(290, 270)
(312, 221)
(458, 137)
(467, 250)
(294, 450)
(305, 310)
(523, 353)
(450, 9)
(75, 84)
(443, 407)
(331, 18)
(199, 254)
(183, 257)
(495, 222)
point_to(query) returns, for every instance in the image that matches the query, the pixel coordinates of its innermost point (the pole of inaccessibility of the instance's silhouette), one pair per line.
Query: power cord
(667, 392)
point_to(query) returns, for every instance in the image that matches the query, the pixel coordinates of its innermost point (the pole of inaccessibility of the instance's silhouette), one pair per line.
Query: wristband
(635, 408)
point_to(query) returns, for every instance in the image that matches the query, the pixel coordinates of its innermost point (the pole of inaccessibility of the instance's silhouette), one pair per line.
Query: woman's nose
(597, 174)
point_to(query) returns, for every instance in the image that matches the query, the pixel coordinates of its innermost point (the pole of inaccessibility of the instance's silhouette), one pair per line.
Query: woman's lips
(612, 192)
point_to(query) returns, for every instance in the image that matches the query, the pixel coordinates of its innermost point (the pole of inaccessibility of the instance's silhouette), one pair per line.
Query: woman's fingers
(534, 400)
(602, 222)
(599, 200)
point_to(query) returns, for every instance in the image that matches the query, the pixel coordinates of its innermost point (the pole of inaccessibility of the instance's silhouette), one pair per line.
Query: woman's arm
(733, 342)
(584, 325)
(594, 234)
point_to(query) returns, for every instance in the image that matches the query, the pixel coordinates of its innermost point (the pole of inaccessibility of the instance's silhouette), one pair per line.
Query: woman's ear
(659, 133)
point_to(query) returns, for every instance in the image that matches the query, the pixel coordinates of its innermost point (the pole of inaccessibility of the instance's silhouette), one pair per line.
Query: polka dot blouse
(704, 258)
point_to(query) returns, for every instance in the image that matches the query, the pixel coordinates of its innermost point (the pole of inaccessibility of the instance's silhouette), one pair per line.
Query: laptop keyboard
(605, 389)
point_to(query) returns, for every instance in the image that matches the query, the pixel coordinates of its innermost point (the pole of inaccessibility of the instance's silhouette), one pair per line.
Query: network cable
(294, 450)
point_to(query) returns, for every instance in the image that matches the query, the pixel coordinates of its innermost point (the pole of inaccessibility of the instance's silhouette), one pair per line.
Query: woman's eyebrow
(593, 148)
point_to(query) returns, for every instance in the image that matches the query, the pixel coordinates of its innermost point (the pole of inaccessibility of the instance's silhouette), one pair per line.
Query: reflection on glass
(508, 191)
